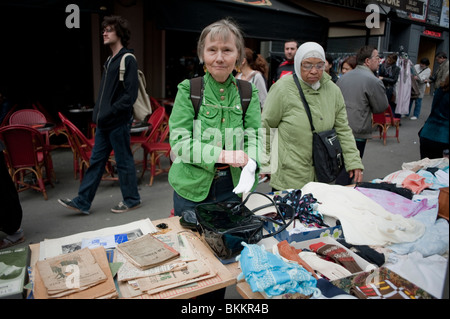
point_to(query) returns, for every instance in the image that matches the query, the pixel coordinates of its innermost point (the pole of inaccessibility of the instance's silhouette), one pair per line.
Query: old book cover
(105, 289)
(13, 272)
(69, 273)
(147, 251)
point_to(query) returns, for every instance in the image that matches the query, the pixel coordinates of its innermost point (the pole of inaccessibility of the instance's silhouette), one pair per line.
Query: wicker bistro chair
(27, 157)
(82, 150)
(30, 117)
(156, 150)
(155, 121)
(383, 121)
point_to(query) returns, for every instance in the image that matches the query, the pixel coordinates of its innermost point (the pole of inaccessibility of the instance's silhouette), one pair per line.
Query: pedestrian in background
(113, 115)
(364, 94)
(442, 71)
(329, 68)
(11, 213)
(434, 136)
(389, 72)
(348, 64)
(423, 72)
(284, 110)
(287, 66)
(254, 69)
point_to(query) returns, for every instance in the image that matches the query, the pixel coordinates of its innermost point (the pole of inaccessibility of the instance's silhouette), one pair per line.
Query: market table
(225, 274)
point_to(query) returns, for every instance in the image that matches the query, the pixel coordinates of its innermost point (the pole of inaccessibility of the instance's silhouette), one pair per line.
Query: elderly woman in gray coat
(290, 160)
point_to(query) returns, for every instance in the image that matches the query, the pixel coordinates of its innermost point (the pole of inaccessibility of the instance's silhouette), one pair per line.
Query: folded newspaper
(70, 273)
(147, 251)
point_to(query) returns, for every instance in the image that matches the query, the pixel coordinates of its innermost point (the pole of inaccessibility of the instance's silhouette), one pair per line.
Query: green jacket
(291, 163)
(219, 126)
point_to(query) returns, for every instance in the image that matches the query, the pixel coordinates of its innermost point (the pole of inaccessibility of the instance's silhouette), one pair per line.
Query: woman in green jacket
(212, 160)
(290, 160)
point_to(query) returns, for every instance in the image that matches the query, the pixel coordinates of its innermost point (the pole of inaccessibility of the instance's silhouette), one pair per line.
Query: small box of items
(331, 259)
(308, 222)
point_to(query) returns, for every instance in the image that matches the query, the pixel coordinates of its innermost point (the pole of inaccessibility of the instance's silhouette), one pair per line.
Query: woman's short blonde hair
(222, 29)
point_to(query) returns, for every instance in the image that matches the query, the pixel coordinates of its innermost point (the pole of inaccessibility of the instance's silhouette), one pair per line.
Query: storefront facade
(44, 58)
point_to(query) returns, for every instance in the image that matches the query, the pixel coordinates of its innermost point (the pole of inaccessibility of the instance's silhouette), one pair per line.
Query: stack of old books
(152, 265)
(83, 274)
(147, 252)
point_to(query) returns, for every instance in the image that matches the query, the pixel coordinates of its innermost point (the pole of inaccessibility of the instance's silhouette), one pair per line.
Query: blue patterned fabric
(305, 207)
(268, 273)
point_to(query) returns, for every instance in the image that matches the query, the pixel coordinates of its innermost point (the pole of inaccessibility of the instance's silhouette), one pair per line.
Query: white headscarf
(308, 50)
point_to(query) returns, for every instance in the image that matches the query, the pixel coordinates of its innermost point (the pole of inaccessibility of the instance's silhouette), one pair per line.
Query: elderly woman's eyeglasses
(308, 66)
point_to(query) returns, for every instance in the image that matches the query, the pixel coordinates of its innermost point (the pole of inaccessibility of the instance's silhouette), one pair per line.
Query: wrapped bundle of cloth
(268, 273)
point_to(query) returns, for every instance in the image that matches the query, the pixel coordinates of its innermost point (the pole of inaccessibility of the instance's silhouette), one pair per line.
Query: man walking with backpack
(113, 115)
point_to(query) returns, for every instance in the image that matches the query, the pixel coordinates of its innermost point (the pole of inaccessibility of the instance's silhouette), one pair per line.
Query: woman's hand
(233, 158)
(357, 175)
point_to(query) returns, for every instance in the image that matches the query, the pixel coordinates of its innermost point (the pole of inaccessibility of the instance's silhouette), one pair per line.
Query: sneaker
(122, 208)
(71, 205)
(413, 118)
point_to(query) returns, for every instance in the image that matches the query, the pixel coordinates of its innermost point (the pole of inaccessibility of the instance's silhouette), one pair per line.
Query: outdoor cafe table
(44, 129)
(82, 118)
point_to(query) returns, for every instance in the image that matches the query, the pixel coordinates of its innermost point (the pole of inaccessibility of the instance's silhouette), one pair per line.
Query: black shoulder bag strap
(196, 90)
(305, 104)
(245, 92)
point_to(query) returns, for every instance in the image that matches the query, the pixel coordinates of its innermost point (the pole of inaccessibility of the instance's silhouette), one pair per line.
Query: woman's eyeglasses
(309, 66)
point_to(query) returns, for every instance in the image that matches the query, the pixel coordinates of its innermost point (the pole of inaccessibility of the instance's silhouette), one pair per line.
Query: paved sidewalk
(48, 219)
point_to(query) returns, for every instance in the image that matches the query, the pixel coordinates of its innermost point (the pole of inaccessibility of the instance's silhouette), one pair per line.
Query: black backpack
(245, 93)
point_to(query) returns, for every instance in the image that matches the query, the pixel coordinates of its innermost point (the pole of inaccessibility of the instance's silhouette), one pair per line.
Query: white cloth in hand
(247, 178)
(329, 269)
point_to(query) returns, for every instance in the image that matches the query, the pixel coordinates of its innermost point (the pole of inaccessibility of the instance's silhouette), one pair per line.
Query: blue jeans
(221, 191)
(417, 107)
(117, 139)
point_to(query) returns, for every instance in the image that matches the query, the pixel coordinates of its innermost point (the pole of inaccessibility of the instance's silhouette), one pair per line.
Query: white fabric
(403, 87)
(329, 269)
(247, 178)
(427, 273)
(424, 163)
(308, 50)
(364, 222)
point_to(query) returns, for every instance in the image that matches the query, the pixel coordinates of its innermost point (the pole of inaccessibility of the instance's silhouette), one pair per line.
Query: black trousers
(11, 211)
(432, 149)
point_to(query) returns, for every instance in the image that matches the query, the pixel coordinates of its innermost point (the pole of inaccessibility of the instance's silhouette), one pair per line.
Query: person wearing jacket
(287, 66)
(113, 115)
(442, 71)
(212, 160)
(388, 72)
(290, 161)
(364, 94)
(434, 137)
(11, 214)
(423, 72)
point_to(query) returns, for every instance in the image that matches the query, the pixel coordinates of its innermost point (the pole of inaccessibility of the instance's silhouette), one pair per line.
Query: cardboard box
(443, 203)
(256, 200)
(334, 231)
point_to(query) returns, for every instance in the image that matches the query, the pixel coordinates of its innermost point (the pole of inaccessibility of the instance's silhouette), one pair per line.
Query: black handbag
(225, 225)
(328, 159)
